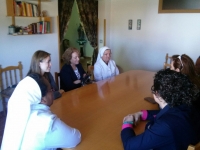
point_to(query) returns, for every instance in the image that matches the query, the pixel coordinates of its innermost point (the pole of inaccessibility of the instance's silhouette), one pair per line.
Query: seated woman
(105, 67)
(41, 64)
(30, 124)
(72, 73)
(197, 66)
(184, 64)
(170, 127)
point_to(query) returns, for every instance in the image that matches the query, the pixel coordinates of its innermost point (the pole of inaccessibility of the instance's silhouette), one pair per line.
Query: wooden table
(97, 110)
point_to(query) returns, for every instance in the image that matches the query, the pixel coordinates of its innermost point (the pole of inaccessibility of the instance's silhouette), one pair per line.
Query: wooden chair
(90, 70)
(166, 64)
(57, 76)
(8, 79)
(194, 147)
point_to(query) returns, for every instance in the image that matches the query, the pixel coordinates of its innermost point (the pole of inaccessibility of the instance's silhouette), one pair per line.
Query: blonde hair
(67, 56)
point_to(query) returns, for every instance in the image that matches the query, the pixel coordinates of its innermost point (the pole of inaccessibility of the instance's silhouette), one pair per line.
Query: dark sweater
(168, 129)
(68, 76)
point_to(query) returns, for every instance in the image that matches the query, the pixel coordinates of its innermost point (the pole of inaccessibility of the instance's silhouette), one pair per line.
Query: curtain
(64, 9)
(88, 10)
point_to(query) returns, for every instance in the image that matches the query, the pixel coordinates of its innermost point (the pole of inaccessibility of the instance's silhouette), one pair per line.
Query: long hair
(67, 55)
(37, 57)
(186, 66)
(197, 65)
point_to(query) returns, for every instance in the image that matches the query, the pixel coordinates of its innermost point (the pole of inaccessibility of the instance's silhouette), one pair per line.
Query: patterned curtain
(88, 10)
(64, 9)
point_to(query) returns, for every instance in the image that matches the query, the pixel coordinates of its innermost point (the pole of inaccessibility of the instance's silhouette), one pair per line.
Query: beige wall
(160, 33)
(21, 48)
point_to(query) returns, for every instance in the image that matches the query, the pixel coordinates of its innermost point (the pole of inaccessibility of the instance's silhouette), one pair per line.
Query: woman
(197, 66)
(72, 73)
(184, 64)
(30, 124)
(171, 126)
(41, 64)
(105, 67)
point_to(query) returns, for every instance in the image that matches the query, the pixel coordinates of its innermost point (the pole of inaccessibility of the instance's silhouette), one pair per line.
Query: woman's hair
(37, 57)
(174, 87)
(197, 66)
(67, 56)
(186, 66)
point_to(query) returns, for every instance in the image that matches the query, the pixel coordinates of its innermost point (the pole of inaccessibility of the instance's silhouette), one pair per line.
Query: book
(23, 9)
(27, 9)
(35, 10)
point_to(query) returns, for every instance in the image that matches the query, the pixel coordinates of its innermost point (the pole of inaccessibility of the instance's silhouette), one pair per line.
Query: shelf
(27, 5)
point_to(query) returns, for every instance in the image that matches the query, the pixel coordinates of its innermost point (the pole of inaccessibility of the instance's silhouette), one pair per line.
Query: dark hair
(197, 65)
(37, 57)
(187, 67)
(174, 87)
(40, 81)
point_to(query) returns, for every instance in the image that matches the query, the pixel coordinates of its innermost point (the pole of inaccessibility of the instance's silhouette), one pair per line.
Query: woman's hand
(61, 91)
(84, 75)
(128, 118)
(77, 81)
(137, 116)
(133, 117)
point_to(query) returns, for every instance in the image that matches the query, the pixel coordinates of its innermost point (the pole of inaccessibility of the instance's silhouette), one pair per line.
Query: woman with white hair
(105, 67)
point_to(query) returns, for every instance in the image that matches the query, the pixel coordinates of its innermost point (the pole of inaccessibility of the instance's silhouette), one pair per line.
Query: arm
(56, 92)
(67, 78)
(158, 135)
(116, 69)
(62, 135)
(98, 73)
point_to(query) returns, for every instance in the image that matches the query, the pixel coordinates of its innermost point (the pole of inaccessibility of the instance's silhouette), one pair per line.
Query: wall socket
(138, 24)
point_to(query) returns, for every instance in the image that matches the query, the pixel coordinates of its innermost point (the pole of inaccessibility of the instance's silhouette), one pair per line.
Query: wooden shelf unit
(10, 12)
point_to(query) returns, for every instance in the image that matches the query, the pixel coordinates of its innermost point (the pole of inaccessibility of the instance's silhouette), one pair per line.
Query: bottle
(11, 29)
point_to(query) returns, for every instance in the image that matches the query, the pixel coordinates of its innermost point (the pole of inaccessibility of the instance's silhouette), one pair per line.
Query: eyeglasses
(179, 57)
(152, 90)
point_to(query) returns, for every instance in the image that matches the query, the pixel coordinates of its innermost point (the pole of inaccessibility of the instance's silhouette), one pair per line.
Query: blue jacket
(68, 76)
(168, 129)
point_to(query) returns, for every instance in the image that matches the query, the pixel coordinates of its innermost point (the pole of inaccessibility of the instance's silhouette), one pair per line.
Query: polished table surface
(97, 109)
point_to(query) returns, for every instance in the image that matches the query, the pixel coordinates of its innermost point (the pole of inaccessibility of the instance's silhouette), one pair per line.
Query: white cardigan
(103, 71)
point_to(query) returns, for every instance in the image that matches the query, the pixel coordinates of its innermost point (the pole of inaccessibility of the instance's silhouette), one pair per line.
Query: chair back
(10, 75)
(57, 76)
(9, 78)
(167, 63)
(90, 70)
(194, 147)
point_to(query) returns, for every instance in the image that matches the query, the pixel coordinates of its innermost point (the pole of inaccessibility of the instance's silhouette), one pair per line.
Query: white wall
(175, 33)
(21, 48)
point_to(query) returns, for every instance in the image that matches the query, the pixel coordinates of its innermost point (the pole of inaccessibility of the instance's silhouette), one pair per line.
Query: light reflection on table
(97, 109)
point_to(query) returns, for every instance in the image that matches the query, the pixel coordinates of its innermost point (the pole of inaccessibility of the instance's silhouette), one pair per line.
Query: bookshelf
(45, 22)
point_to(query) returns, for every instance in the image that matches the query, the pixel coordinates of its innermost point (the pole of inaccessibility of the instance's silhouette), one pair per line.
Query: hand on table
(77, 81)
(61, 91)
(133, 117)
